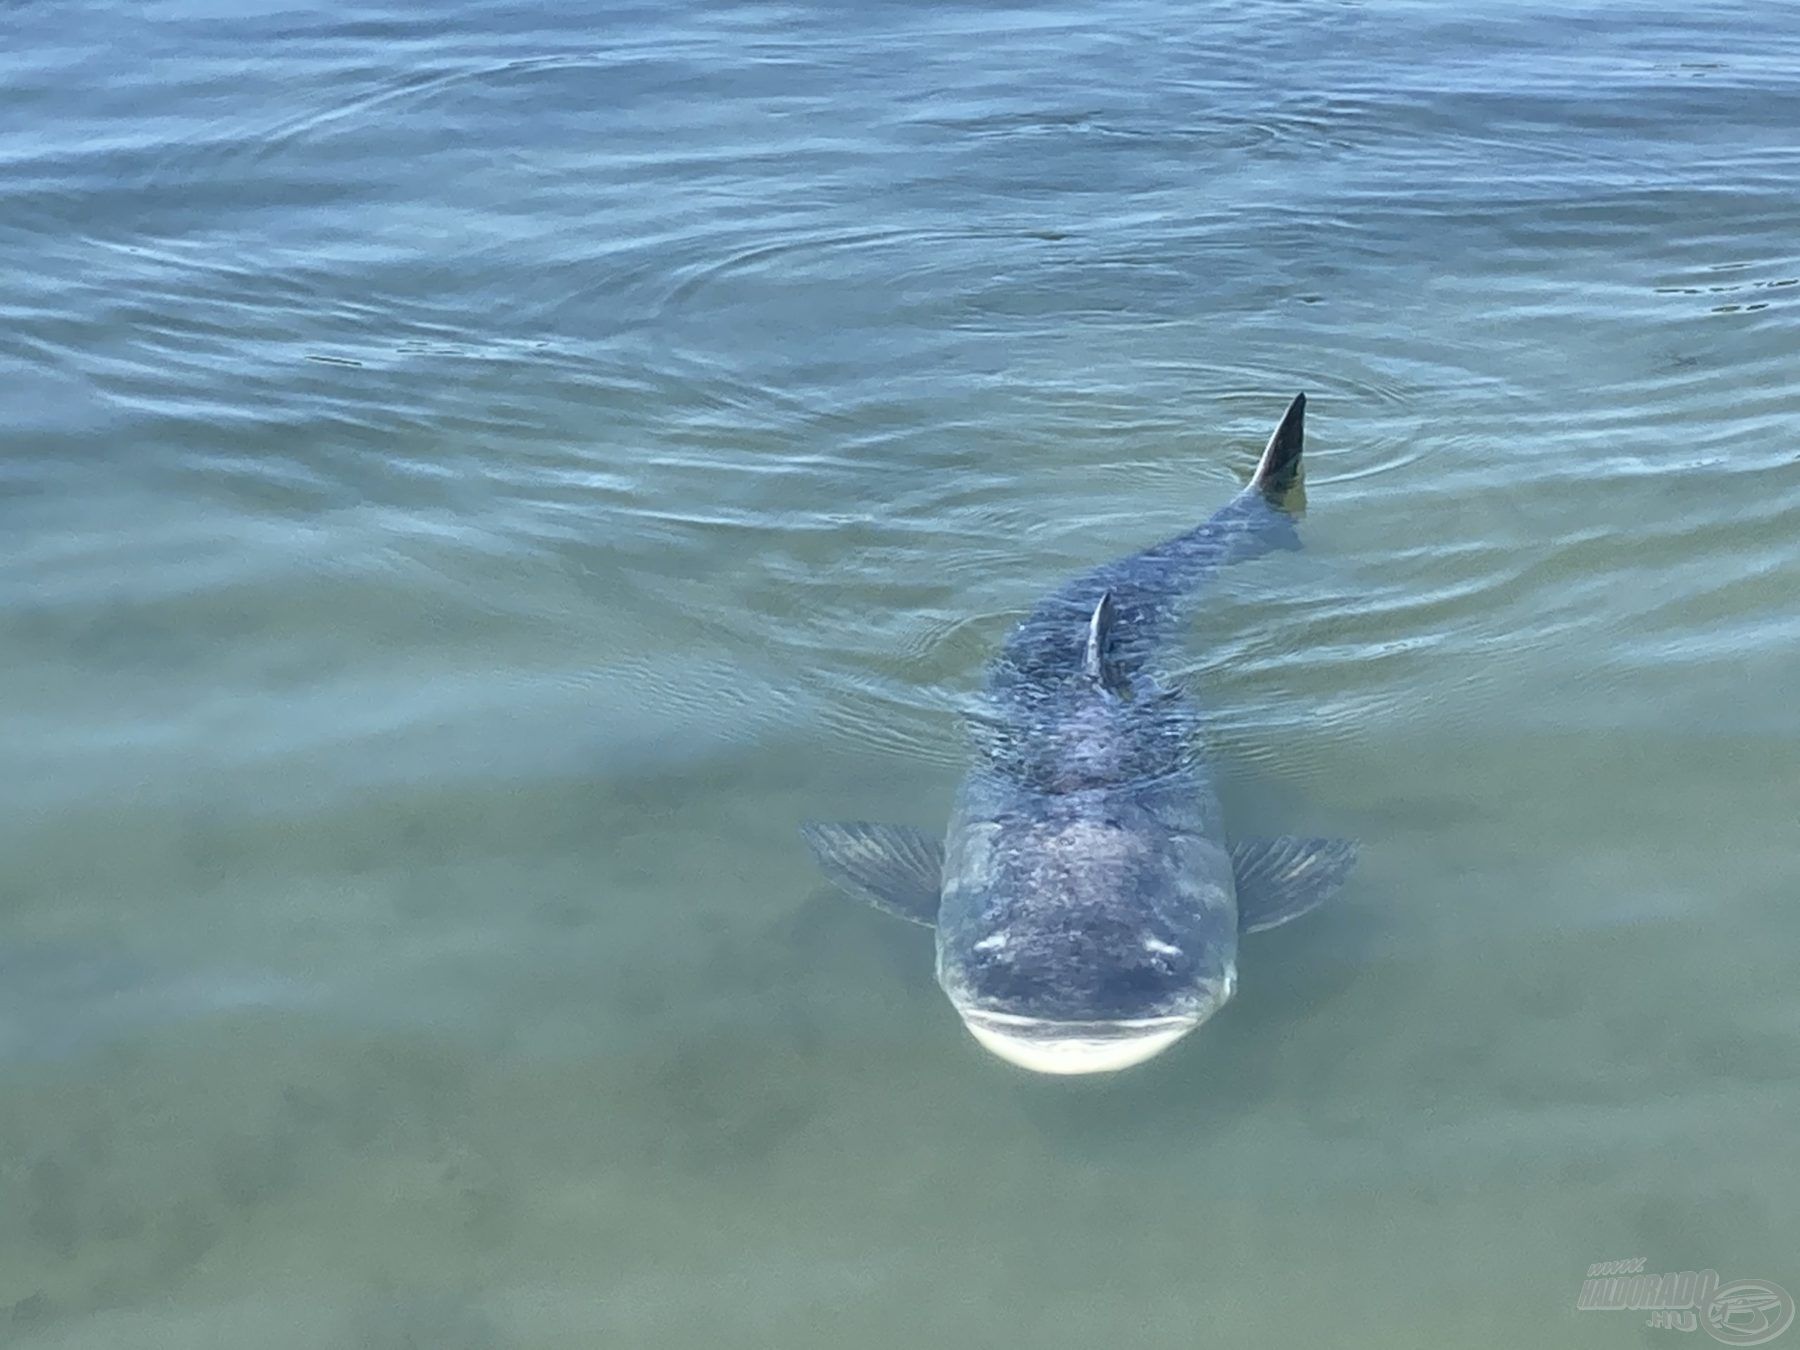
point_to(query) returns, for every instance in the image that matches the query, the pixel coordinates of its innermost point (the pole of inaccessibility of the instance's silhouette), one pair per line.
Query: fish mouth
(1047, 1046)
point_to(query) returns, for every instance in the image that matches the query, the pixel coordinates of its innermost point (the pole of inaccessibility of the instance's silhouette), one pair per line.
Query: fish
(1086, 898)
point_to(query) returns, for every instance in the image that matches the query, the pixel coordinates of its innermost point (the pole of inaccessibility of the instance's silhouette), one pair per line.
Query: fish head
(1069, 951)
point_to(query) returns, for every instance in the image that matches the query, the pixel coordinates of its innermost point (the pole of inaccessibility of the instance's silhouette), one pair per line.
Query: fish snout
(1046, 1045)
(1077, 1045)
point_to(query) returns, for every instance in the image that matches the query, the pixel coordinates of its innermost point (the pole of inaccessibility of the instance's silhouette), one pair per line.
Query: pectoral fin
(894, 868)
(1282, 878)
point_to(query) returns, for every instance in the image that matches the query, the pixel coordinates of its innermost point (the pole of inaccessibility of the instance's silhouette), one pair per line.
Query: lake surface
(474, 477)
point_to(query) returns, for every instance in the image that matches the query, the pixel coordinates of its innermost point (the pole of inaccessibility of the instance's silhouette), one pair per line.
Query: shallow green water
(475, 477)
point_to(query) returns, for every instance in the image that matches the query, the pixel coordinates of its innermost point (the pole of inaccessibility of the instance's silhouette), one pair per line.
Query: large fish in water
(1086, 900)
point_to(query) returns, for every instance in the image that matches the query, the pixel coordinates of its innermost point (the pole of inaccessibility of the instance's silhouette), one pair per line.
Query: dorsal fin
(1096, 660)
(1279, 468)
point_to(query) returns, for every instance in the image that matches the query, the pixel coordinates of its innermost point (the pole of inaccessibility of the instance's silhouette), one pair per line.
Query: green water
(475, 477)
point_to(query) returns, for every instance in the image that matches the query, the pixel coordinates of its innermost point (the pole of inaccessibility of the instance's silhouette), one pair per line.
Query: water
(474, 477)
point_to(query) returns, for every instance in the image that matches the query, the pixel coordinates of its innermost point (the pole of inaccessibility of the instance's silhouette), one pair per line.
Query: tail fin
(1279, 469)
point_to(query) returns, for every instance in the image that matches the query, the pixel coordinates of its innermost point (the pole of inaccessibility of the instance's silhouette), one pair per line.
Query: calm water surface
(473, 477)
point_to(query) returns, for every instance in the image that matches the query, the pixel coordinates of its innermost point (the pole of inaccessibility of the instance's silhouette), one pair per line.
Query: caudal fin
(1279, 469)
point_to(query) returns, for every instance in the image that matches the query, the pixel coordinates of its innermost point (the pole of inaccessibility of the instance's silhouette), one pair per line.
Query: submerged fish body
(1086, 902)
